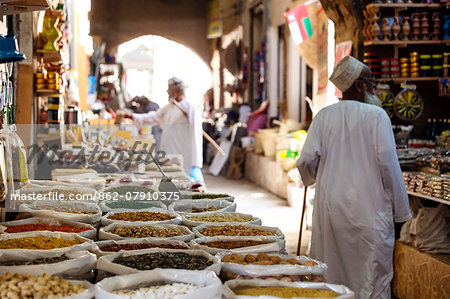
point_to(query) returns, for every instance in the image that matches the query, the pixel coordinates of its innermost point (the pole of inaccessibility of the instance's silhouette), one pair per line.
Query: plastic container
(425, 71)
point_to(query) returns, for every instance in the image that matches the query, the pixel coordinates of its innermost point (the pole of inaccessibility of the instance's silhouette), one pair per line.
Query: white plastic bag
(34, 209)
(433, 229)
(103, 244)
(79, 262)
(275, 230)
(211, 285)
(105, 234)
(105, 263)
(105, 205)
(272, 245)
(175, 220)
(192, 223)
(274, 270)
(90, 234)
(229, 286)
(185, 206)
(85, 244)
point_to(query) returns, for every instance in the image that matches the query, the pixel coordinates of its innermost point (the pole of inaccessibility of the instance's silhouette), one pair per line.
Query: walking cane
(301, 223)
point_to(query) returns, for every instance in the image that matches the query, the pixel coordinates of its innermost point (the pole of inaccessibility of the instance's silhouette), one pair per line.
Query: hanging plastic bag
(19, 157)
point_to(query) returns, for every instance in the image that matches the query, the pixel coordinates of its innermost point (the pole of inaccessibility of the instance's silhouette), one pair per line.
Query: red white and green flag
(299, 24)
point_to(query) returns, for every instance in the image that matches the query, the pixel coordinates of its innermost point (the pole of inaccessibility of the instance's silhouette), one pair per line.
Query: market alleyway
(273, 210)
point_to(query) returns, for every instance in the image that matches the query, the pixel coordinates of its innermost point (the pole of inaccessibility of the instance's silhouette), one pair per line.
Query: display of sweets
(168, 291)
(171, 260)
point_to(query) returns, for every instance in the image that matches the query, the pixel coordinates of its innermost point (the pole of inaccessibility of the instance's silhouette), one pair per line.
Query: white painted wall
(293, 81)
(272, 70)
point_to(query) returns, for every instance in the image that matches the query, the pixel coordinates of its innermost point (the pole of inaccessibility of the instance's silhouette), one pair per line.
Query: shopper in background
(141, 104)
(181, 134)
(360, 192)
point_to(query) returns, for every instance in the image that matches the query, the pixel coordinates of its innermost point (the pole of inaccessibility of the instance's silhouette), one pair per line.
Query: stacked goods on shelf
(427, 184)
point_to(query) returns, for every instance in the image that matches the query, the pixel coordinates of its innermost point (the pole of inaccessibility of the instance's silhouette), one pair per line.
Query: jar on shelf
(425, 71)
(425, 59)
(437, 71)
(437, 59)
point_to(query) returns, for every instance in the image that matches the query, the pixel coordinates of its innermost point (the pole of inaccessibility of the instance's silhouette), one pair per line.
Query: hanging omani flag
(299, 24)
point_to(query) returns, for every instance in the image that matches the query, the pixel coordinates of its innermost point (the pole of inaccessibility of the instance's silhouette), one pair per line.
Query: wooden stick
(207, 137)
(301, 223)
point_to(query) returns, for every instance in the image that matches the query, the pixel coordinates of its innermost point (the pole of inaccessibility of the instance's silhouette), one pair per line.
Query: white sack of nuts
(209, 286)
(90, 234)
(76, 263)
(214, 205)
(244, 233)
(80, 211)
(305, 266)
(173, 218)
(106, 263)
(270, 244)
(107, 232)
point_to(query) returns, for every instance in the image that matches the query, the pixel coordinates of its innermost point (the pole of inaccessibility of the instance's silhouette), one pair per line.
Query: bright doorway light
(168, 59)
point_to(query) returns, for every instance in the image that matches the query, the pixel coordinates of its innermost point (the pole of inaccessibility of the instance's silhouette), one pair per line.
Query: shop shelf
(440, 200)
(400, 80)
(404, 43)
(10, 7)
(406, 5)
(50, 56)
(47, 92)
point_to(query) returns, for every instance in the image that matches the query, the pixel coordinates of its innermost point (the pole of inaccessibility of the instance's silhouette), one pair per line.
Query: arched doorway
(151, 60)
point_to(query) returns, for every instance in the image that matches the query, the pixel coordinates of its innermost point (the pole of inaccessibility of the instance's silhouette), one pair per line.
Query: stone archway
(183, 21)
(348, 19)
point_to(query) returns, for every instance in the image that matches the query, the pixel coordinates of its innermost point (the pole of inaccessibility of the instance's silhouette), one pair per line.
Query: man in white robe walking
(350, 155)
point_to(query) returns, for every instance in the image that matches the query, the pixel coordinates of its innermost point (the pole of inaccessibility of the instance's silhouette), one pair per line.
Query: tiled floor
(273, 210)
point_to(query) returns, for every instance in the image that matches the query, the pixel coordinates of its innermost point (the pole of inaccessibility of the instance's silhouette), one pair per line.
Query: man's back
(350, 153)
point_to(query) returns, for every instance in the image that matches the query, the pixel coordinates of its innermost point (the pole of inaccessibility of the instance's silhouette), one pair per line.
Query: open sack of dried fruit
(161, 283)
(81, 211)
(127, 262)
(201, 206)
(16, 285)
(244, 289)
(237, 230)
(49, 224)
(270, 266)
(214, 245)
(33, 244)
(119, 231)
(152, 215)
(193, 220)
(71, 265)
(112, 246)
